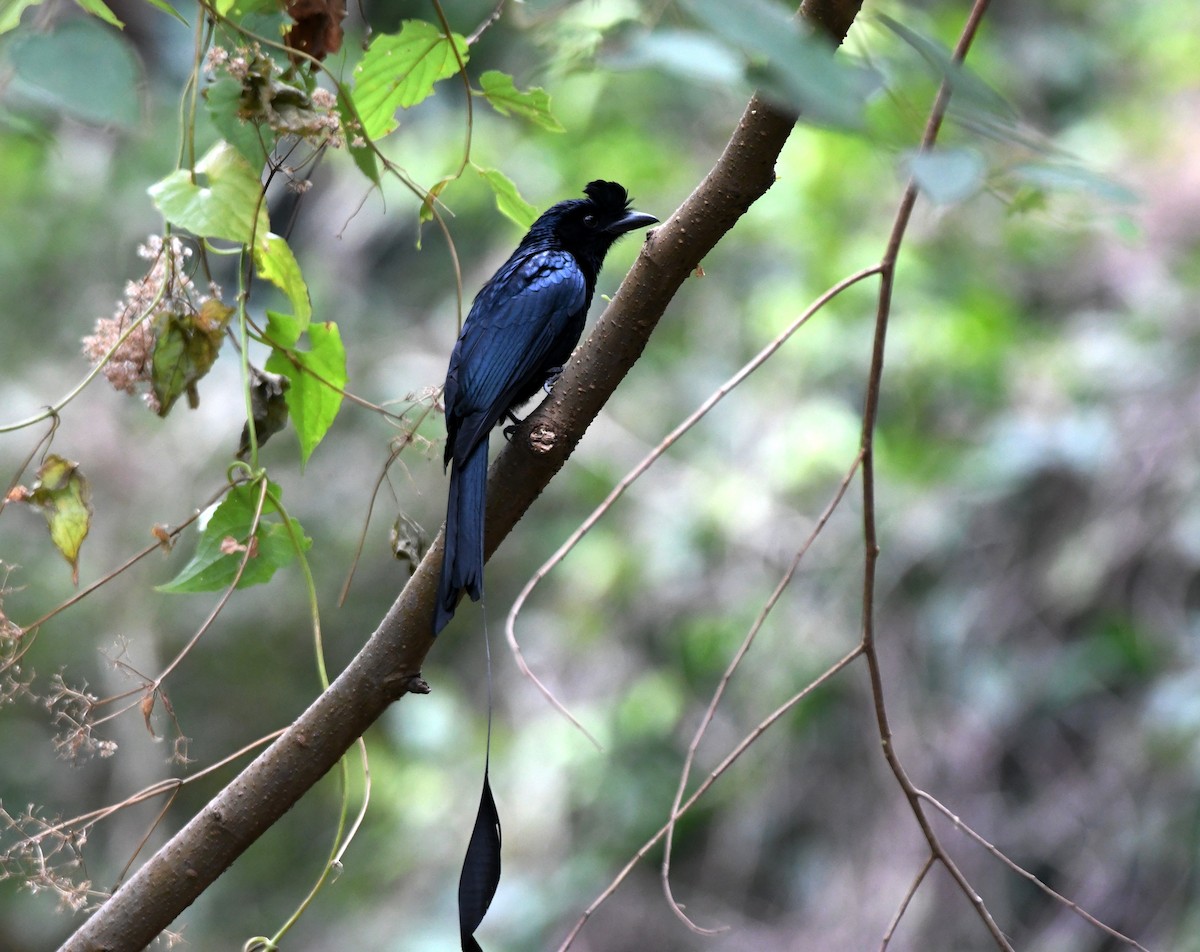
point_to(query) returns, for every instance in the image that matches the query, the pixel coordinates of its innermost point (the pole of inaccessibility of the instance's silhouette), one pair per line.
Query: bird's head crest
(587, 227)
(608, 196)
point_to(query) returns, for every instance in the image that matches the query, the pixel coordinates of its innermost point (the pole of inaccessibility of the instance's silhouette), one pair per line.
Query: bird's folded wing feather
(513, 327)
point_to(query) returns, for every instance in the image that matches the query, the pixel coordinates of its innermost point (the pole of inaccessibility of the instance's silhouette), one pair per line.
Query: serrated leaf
(185, 349)
(533, 104)
(947, 176)
(226, 201)
(277, 264)
(317, 377)
(400, 69)
(508, 199)
(223, 100)
(98, 8)
(64, 497)
(226, 538)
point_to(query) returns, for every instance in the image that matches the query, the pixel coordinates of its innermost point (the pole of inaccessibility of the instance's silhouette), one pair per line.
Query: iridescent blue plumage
(522, 326)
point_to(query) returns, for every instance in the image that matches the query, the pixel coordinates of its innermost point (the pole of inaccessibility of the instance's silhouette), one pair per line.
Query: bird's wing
(513, 328)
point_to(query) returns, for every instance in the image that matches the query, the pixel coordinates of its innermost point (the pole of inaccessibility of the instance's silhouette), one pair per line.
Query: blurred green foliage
(1039, 492)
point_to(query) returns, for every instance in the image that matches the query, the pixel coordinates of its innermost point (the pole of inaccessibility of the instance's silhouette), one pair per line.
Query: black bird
(522, 327)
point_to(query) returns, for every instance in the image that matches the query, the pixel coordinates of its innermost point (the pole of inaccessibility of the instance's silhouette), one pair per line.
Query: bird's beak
(631, 222)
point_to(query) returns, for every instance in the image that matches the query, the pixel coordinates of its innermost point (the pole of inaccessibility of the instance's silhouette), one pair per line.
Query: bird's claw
(508, 431)
(552, 376)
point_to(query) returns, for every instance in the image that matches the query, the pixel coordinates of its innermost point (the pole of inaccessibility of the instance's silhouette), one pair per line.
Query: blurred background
(1039, 502)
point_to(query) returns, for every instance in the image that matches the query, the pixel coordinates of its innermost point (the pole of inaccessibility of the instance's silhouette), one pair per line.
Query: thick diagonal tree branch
(389, 664)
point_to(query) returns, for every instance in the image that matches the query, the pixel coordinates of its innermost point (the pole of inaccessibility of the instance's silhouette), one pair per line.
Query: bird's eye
(589, 220)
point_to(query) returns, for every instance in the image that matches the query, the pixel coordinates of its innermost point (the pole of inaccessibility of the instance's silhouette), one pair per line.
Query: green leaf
(284, 329)
(947, 176)
(82, 68)
(690, 54)
(10, 13)
(237, 9)
(356, 142)
(534, 104)
(64, 497)
(400, 69)
(226, 200)
(226, 537)
(185, 348)
(968, 87)
(167, 8)
(1061, 176)
(788, 62)
(98, 8)
(223, 100)
(431, 197)
(508, 199)
(317, 377)
(277, 264)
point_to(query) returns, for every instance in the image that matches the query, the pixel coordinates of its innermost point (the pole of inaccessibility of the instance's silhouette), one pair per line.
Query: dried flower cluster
(271, 100)
(124, 343)
(14, 683)
(72, 710)
(45, 857)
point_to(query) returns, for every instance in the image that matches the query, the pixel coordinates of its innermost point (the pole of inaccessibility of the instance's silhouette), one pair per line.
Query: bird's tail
(462, 563)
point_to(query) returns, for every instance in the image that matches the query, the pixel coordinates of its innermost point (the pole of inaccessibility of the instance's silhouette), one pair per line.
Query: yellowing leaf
(185, 349)
(400, 69)
(62, 494)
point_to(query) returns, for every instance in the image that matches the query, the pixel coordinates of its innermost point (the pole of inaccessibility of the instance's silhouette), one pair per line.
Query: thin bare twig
(128, 563)
(870, 535)
(398, 447)
(1021, 871)
(91, 818)
(388, 665)
(617, 491)
(744, 745)
(900, 910)
(156, 684)
(487, 22)
(734, 663)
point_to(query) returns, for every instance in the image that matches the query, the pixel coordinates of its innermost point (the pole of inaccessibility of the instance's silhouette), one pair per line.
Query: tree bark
(389, 664)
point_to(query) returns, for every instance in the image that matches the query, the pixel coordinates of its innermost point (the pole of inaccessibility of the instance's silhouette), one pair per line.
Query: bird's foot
(552, 376)
(508, 431)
